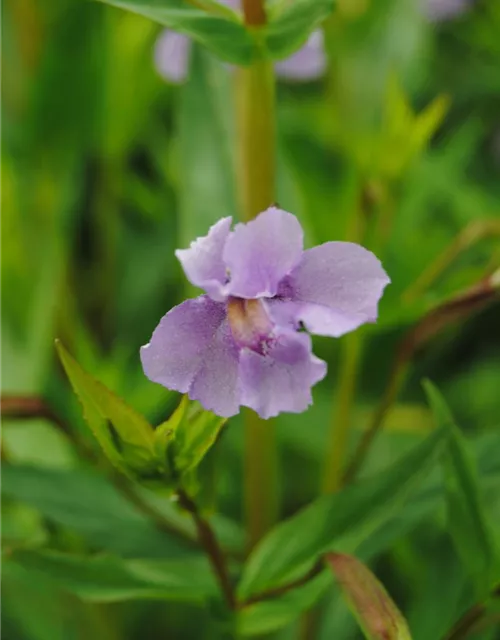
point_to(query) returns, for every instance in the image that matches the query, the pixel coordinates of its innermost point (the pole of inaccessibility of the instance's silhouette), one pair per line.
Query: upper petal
(335, 288)
(308, 63)
(260, 253)
(172, 55)
(178, 345)
(282, 379)
(203, 263)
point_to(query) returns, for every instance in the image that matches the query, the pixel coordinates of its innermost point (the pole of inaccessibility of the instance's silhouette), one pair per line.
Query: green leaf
(166, 432)
(112, 579)
(376, 613)
(290, 27)
(194, 438)
(469, 527)
(52, 615)
(226, 37)
(270, 615)
(340, 522)
(124, 435)
(206, 168)
(91, 507)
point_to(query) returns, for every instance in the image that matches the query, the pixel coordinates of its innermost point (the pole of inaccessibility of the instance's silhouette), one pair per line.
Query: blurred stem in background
(341, 415)
(351, 350)
(459, 307)
(256, 153)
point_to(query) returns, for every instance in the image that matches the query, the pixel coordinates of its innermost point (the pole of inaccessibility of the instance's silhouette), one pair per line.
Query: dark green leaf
(52, 614)
(372, 606)
(226, 37)
(290, 27)
(340, 522)
(270, 615)
(467, 520)
(206, 169)
(88, 505)
(430, 497)
(93, 508)
(112, 579)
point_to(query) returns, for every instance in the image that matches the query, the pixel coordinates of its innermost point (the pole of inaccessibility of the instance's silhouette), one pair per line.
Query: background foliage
(106, 170)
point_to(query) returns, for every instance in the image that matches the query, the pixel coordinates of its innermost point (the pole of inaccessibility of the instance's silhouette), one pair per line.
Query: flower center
(250, 324)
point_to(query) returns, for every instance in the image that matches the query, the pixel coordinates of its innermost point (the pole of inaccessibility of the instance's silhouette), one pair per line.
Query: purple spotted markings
(242, 343)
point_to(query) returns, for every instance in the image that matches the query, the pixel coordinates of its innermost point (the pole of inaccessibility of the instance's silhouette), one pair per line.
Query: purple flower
(442, 10)
(241, 343)
(172, 52)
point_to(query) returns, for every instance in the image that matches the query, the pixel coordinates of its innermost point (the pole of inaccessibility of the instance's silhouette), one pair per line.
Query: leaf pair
(159, 458)
(221, 30)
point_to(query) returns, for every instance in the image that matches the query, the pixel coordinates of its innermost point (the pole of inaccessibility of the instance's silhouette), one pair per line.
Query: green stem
(473, 233)
(260, 476)
(337, 448)
(255, 105)
(394, 384)
(351, 349)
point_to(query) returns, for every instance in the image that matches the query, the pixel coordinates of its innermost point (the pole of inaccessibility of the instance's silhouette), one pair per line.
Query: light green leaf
(113, 579)
(124, 435)
(337, 522)
(469, 527)
(194, 438)
(223, 34)
(275, 613)
(166, 431)
(290, 27)
(427, 122)
(376, 613)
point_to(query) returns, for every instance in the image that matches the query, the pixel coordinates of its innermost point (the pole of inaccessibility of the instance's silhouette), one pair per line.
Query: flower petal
(177, 348)
(282, 379)
(308, 63)
(216, 384)
(335, 289)
(172, 55)
(202, 262)
(262, 252)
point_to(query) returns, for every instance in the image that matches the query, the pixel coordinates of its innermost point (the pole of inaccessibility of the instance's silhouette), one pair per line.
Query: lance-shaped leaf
(274, 613)
(111, 579)
(125, 436)
(468, 524)
(337, 522)
(221, 32)
(376, 613)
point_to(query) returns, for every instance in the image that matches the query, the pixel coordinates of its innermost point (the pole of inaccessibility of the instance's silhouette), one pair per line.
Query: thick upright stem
(260, 476)
(255, 118)
(256, 137)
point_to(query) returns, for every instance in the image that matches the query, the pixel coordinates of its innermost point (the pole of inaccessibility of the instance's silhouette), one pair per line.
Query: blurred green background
(107, 169)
